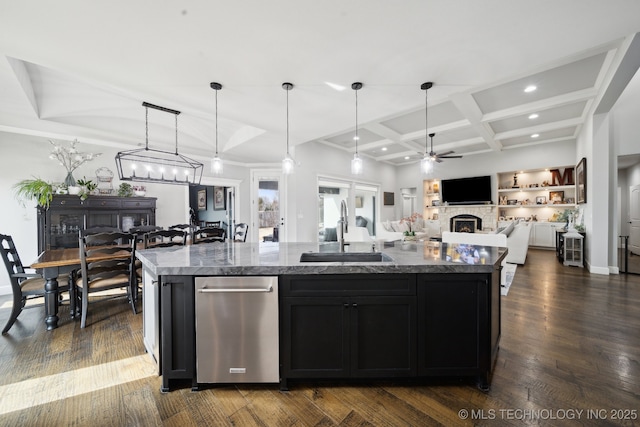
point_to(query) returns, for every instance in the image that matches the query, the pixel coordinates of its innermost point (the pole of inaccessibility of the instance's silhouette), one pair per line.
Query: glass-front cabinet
(58, 226)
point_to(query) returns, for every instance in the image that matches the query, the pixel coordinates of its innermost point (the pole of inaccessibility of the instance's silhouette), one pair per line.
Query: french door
(268, 207)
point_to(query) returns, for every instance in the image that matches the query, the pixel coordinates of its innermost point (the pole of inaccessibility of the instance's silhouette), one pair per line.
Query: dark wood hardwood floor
(569, 355)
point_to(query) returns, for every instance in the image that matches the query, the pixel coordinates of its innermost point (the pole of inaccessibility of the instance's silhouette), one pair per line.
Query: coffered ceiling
(77, 69)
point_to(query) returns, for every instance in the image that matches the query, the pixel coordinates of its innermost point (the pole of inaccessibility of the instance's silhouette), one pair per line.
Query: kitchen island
(425, 309)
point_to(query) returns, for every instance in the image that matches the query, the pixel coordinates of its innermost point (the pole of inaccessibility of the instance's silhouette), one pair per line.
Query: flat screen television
(467, 191)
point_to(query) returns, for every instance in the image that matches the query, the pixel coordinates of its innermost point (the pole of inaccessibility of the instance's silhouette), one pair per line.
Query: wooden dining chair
(24, 286)
(165, 238)
(98, 229)
(189, 228)
(209, 235)
(107, 262)
(141, 229)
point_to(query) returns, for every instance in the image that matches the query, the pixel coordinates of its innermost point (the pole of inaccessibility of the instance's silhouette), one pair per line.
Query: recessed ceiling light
(384, 148)
(530, 88)
(335, 86)
(535, 135)
(533, 116)
(407, 157)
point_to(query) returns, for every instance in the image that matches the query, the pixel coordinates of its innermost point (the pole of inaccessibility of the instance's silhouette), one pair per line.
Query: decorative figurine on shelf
(515, 181)
(70, 158)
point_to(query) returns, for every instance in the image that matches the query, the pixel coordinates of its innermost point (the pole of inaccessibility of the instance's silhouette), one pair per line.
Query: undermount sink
(345, 257)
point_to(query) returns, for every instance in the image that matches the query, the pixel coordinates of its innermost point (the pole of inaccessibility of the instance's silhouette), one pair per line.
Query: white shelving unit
(536, 193)
(431, 192)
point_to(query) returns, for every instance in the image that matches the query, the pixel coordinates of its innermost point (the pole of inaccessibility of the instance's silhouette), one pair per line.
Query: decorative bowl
(139, 193)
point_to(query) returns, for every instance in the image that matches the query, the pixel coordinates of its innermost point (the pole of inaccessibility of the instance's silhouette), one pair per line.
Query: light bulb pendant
(217, 165)
(216, 162)
(288, 164)
(356, 162)
(356, 165)
(426, 164)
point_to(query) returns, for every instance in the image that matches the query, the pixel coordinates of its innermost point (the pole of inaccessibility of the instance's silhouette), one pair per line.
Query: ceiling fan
(437, 157)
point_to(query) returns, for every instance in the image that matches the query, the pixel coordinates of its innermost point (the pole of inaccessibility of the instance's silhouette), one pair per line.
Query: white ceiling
(78, 69)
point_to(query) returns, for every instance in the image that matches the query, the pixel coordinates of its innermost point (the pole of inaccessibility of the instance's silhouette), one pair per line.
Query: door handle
(235, 290)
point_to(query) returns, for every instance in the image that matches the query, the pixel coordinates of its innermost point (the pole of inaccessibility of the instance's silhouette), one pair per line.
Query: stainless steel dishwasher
(237, 329)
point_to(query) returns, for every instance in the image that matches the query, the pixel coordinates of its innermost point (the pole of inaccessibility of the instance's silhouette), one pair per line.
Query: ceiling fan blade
(446, 153)
(450, 157)
(438, 160)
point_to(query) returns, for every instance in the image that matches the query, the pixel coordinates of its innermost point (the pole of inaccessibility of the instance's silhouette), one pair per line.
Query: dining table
(54, 262)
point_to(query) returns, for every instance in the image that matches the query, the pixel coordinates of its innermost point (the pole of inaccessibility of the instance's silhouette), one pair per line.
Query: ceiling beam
(465, 103)
(541, 105)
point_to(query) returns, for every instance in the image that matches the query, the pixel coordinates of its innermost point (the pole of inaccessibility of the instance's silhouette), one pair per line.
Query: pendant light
(356, 162)
(287, 163)
(216, 162)
(426, 165)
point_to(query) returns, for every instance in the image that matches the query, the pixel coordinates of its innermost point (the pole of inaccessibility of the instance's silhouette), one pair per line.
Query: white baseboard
(5, 290)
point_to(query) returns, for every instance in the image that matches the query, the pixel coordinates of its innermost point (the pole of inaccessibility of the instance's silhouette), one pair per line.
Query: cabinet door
(451, 321)
(102, 218)
(543, 235)
(177, 325)
(63, 227)
(151, 316)
(314, 337)
(383, 336)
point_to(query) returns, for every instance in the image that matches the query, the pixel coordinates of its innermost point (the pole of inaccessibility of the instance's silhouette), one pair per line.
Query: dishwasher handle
(237, 290)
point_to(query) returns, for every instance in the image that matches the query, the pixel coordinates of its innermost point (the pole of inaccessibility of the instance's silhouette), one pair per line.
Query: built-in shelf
(529, 191)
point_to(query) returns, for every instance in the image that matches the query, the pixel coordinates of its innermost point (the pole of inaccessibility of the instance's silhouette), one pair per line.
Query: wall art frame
(581, 181)
(218, 199)
(202, 200)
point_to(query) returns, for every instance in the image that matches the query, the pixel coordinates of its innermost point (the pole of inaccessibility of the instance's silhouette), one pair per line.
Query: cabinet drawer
(65, 202)
(348, 285)
(106, 202)
(138, 203)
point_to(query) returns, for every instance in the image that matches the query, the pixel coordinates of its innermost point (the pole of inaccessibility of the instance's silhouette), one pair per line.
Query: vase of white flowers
(70, 158)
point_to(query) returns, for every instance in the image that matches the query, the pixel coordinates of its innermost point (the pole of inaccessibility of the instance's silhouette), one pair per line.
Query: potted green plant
(125, 190)
(34, 189)
(86, 187)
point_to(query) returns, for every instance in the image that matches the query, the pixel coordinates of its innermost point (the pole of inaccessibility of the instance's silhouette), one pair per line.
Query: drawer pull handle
(103, 203)
(235, 290)
(62, 202)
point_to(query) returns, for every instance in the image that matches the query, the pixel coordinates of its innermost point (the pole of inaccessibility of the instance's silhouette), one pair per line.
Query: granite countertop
(252, 259)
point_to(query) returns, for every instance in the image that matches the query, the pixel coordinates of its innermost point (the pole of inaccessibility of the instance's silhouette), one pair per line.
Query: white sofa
(357, 234)
(390, 231)
(514, 237)
(388, 236)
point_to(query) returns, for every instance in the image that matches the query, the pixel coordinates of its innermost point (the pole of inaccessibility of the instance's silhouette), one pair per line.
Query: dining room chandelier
(158, 166)
(216, 162)
(356, 162)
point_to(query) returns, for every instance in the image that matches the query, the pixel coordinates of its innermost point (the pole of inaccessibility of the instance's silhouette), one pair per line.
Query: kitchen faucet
(343, 224)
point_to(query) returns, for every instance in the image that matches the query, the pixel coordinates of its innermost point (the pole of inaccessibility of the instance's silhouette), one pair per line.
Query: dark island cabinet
(177, 330)
(58, 225)
(458, 324)
(347, 326)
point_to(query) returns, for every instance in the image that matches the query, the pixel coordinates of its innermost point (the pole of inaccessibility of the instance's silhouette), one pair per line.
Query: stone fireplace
(487, 215)
(465, 223)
